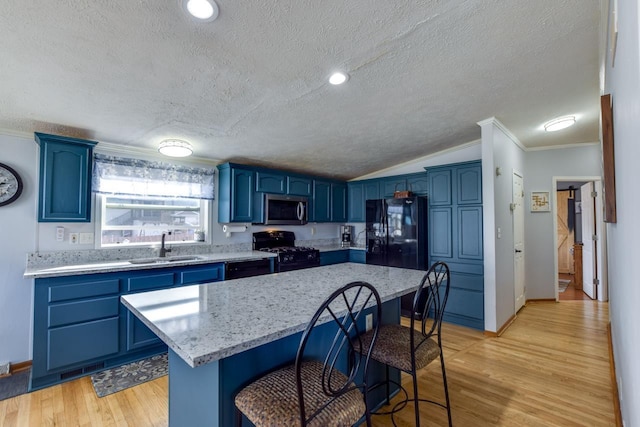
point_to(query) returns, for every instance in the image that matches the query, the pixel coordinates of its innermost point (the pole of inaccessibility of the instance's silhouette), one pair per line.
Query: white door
(588, 243)
(601, 244)
(518, 240)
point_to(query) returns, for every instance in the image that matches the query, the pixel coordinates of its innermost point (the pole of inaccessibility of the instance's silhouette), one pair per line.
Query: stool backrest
(429, 304)
(344, 309)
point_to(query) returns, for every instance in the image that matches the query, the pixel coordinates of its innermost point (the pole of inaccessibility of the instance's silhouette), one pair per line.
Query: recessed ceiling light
(338, 78)
(204, 10)
(559, 123)
(175, 148)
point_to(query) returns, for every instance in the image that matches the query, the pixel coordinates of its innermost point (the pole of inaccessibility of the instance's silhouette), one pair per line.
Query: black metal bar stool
(410, 350)
(312, 391)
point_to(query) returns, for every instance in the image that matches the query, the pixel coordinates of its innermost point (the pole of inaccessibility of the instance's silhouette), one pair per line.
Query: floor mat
(563, 284)
(129, 375)
(15, 384)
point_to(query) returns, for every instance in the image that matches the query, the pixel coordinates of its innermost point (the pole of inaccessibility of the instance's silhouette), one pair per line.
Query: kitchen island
(222, 335)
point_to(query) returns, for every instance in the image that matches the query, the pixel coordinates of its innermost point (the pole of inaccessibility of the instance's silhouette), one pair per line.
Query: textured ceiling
(252, 86)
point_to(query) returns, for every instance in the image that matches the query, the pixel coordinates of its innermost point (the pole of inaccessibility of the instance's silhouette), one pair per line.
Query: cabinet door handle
(518, 251)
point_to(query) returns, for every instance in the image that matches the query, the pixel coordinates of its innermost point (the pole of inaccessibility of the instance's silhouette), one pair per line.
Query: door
(565, 233)
(589, 272)
(518, 240)
(602, 291)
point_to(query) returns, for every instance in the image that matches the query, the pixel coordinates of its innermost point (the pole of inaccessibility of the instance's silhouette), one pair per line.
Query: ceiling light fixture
(559, 123)
(338, 78)
(175, 148)
(204, 10)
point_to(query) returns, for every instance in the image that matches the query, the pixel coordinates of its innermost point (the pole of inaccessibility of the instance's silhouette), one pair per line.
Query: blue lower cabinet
(357, 256)
(80, 326)
(334, 257)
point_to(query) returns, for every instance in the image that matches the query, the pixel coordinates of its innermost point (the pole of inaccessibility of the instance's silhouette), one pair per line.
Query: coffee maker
(346, 232)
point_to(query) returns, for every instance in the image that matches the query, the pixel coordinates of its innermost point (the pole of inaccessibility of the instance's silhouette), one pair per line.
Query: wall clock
(10, 185)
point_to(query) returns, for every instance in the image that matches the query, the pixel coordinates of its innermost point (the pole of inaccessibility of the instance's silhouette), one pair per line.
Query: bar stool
(312, 391)
(410, 350)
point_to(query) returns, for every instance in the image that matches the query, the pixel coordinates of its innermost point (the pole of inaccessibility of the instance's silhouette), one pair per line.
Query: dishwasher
(238, 269)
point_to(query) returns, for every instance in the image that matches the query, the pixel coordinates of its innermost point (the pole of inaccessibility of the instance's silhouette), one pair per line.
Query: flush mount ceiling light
(204, 10)
(175, 148)
(559, 123)
(338, 78)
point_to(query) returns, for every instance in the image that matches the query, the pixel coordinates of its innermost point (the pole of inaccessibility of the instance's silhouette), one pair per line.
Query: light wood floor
(550, 368)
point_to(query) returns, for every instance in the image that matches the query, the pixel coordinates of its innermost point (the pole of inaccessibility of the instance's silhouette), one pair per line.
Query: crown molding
(497, 123)
(559, 147)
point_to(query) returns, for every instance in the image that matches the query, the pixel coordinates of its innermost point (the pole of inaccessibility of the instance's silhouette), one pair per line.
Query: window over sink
(138, 201)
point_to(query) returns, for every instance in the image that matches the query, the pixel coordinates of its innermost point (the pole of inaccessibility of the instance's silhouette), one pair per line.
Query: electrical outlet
(60, 234)
(86, 238)
(73, 238)
(369, 322)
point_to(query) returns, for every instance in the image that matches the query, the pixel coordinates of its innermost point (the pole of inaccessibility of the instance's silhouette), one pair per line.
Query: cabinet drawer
(83, 311)
(84, 290)
(69, 345)
(203, 275)
(151, 281)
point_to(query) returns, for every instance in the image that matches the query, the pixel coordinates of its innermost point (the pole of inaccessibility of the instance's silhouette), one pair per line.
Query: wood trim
(608, 163)
(504, 327)
(614, 382)
(20, 366)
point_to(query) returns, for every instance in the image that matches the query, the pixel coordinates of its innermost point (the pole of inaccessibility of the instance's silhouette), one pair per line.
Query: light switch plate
(60, 234)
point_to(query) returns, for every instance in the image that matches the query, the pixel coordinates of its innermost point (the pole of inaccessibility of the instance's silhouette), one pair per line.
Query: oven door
(285, 210)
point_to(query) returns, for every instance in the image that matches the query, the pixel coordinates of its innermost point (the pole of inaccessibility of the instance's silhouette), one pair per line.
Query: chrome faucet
(163, 250)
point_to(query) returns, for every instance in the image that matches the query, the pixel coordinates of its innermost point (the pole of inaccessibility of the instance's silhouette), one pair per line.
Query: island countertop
(205, 323)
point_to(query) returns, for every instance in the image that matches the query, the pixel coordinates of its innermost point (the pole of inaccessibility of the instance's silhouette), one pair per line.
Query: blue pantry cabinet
(65, 178)
(455, 237)
(81, 327)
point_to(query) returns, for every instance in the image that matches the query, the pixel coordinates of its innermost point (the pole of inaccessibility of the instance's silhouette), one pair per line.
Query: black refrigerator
(397, 236)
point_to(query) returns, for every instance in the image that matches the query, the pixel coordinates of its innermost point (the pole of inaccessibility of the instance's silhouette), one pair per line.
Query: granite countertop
(138, 264)
(205, 323)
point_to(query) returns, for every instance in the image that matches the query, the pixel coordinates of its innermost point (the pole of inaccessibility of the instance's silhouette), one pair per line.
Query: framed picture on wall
(540, 201)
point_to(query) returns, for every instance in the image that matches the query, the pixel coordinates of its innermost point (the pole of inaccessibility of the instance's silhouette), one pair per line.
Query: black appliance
(285, 210)
(290, 257)
(238, 269)
(397, 236)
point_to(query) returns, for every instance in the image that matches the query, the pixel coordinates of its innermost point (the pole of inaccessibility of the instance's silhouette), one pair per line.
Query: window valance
(135, 177)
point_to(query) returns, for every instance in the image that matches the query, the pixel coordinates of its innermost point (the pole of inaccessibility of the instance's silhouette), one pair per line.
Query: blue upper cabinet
(299, 186)
(339, 202)
(418, 184)
(321, 210)
(392, 184)
(355, 191)
(440, 187)
(236, 194)
(65, 178)
(469, 185)
(371, 192)
(268, 182)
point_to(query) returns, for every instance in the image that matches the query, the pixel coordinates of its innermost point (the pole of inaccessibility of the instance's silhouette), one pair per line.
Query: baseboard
(503, 328)
(540, 300)
(614, 380)
(17, 367)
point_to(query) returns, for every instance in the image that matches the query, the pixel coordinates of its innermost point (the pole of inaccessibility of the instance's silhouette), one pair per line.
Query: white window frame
(205, 221)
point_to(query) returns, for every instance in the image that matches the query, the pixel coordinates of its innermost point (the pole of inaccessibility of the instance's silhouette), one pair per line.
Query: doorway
(579, 239)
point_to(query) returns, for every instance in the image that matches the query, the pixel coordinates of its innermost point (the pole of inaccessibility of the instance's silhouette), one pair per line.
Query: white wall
(540, 168)
(499, 150)
(18, 237)
(622, 82)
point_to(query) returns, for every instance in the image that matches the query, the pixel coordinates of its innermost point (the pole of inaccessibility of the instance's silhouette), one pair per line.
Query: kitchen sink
(164, 260)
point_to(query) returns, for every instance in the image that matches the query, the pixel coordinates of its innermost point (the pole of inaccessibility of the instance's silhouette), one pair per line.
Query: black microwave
(285, 210)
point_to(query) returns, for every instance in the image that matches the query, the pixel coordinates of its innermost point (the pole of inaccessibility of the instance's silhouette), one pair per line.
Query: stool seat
(393, 348)
(273, 399)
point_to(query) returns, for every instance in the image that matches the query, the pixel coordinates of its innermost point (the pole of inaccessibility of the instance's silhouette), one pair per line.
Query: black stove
(290, 257)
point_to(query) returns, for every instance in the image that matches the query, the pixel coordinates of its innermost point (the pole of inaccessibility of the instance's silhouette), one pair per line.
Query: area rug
(15, 384)
(129, 375)
(563, 284)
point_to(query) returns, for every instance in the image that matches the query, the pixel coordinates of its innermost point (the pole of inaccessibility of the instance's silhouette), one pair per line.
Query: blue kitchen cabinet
(455, 237)
(81, 327)
(371, 191)
(389, 185)
(299, 186)
(339, 202)
(358, 256)
(65, 178)
(236, 194)
(271, 182)
(334, 257)
(321, 208)
(355, 196)
(418, 184)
